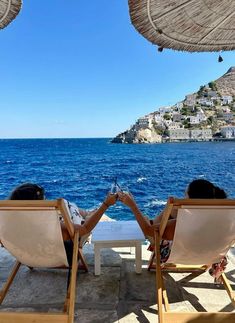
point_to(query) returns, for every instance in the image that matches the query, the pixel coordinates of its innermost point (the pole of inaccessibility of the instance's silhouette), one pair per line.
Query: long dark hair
(203, 189)
(27, 191)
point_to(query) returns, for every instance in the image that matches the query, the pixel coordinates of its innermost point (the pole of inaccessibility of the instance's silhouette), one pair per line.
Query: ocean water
(82, 170)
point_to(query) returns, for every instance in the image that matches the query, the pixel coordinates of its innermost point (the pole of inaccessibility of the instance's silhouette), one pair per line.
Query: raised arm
(92, 220)
(143, 221)
(145, 224)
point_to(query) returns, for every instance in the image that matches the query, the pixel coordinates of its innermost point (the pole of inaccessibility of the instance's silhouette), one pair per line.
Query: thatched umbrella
(9, 9)
(188, 25)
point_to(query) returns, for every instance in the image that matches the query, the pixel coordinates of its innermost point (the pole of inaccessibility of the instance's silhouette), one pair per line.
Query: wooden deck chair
(31, 232)
(205, 230)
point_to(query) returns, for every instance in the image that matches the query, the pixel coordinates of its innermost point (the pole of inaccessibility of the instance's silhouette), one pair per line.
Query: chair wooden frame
(67, 316)
(164, 314)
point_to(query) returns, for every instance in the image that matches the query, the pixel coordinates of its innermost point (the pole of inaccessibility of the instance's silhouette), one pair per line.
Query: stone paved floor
(118, 294)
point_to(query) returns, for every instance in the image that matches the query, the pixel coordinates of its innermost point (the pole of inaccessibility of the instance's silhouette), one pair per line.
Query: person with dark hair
(84, 221)
(27, 191)
(203, 189)
(197, 189)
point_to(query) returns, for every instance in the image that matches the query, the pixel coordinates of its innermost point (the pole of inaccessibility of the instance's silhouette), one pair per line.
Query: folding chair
(31, 232)
(205, 230)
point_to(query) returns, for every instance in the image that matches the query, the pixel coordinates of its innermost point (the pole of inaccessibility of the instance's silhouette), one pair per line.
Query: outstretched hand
(126, 198)
(110, 199)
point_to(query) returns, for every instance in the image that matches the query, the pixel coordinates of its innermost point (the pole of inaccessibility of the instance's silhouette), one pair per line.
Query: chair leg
(9, 281)
(165, 298)
(66, 303)
(72, 286)
(158, 277)
(83, 266)
(228, 288)
(82, 259)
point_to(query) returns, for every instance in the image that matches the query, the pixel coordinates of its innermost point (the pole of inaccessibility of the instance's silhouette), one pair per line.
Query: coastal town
(207, 115)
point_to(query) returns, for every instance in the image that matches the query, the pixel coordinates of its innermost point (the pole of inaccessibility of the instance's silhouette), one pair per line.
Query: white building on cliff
(228, 132)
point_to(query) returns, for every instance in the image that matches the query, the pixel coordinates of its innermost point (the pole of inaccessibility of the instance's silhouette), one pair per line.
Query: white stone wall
(227, 99)
(179, 134)
(228, 132)
(194, 120)
(164, 110)
(228, 116)
(174, 125)
(185, 134)
(201, 134)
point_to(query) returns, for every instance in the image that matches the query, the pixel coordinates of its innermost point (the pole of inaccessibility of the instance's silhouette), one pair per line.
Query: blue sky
(80, 69)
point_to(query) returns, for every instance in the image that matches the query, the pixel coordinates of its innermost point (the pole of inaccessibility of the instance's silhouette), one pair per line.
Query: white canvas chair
(31, 232)
(205, 231)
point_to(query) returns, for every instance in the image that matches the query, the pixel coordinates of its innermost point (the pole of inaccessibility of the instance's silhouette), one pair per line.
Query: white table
(113, 234)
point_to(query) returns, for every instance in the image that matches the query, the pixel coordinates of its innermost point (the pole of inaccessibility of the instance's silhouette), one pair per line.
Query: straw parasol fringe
(9, 9)
(186, 25)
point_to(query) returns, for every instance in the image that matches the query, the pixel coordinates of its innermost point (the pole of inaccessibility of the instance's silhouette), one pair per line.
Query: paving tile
(109, 257)
(96, 290)
(117, 295)
(95, 316)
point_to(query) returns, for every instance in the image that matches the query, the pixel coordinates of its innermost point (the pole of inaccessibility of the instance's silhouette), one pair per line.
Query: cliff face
(138, 136)
(226, 83)
(148, 135)
(199, 116)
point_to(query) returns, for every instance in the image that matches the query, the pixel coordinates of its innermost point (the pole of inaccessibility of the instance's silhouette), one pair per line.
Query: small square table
(112, 234)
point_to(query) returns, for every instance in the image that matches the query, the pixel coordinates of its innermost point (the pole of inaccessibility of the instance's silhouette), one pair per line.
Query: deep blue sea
(82, 170)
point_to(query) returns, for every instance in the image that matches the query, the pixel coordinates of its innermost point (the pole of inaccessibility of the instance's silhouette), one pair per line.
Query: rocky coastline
(206, 115)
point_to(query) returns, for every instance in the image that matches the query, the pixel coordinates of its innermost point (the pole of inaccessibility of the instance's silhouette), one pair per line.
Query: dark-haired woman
(197, 189)
(84, 221)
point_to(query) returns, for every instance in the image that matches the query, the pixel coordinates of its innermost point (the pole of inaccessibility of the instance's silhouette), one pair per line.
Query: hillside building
(201, 116)
(187, 135)
(193, 120)
(175, 125)
(228, 132)
(144, 122)
(227, 99)
(212, 93)
(228, 116)
(201, 134)
(205, 102)
(178, 106)
(164, 110)
(179, 134)
(176, 117)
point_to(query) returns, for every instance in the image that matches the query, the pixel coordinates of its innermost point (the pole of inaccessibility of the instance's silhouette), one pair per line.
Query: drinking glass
(113, 189)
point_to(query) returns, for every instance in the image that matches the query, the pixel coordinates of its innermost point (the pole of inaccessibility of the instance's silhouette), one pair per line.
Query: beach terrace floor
(118, 294)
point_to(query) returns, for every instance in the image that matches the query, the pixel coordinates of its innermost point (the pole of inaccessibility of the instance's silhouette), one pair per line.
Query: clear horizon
(87, 73)
(51, 138)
